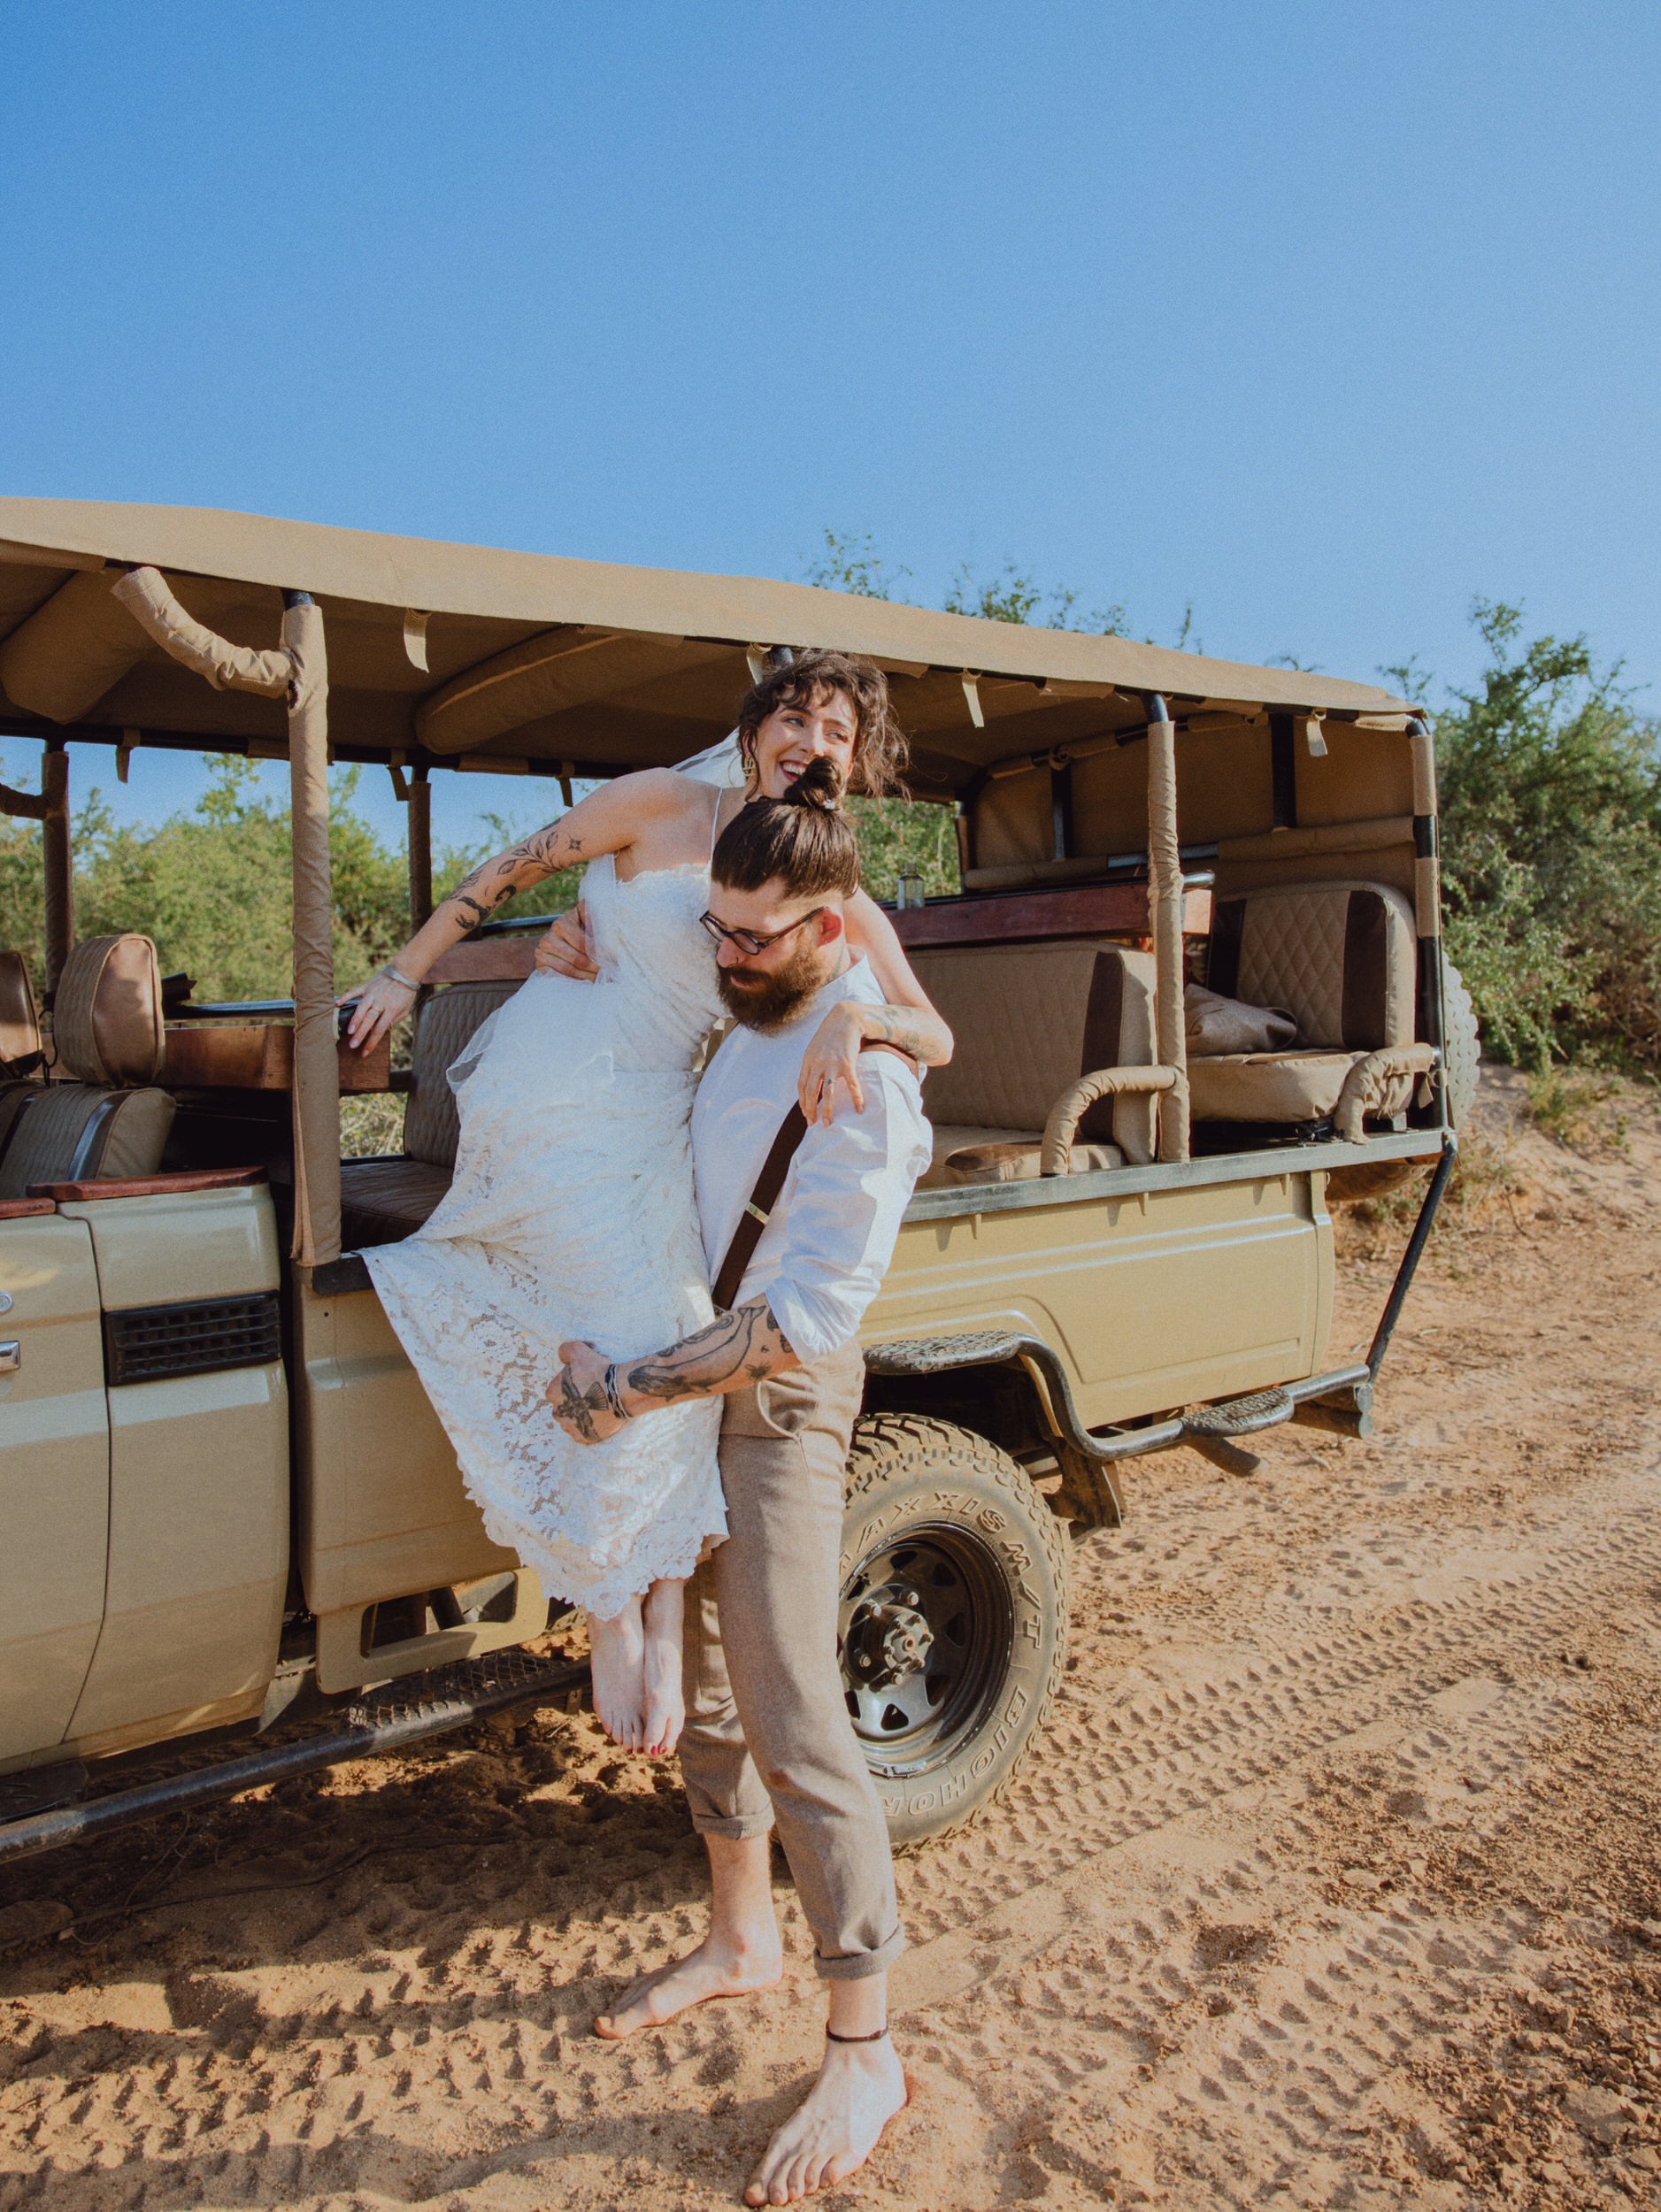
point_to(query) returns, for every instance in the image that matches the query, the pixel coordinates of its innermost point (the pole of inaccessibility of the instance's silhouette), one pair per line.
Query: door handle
(11, 1357)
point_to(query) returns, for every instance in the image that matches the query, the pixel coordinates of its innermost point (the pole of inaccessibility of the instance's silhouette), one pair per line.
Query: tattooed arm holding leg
(593, 1397)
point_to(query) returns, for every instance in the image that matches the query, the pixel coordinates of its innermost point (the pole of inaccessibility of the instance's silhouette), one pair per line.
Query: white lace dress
(572, 1213)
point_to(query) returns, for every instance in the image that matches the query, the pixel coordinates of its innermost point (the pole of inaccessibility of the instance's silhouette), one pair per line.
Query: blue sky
(1321, 318)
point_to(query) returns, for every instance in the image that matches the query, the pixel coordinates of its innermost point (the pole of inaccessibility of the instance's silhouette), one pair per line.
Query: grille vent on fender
(197, 1336)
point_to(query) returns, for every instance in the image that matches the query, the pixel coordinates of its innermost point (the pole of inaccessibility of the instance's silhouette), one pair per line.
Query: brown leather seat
(385, 1199)
(21, 1059)
(1028, 1020)
(1341, 959)
(100, 1116)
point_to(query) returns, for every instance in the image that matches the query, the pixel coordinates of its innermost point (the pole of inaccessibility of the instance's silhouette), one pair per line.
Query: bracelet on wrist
(614, 1395)
(396, 975)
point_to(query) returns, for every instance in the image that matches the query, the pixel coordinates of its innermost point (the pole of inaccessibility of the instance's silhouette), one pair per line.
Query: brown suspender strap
(763, 1198)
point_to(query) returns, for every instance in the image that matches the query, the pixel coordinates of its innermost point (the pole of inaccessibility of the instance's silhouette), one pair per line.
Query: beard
(768, 999)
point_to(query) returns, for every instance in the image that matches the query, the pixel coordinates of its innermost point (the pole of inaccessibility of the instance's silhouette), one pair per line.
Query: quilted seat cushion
(1340, 958)
(958, 1136)
(20, 1023)
(384, 1200)
(1021, 1161)
(448, 1020)
(63, 1132)
(1028, 1020)
(1278, 1087)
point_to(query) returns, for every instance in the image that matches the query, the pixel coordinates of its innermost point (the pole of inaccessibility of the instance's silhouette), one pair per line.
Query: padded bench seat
(383, 1200)
(1028, 1020)
(1340, 958)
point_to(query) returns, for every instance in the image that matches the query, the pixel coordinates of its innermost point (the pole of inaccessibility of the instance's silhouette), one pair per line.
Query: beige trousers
(768, 1739)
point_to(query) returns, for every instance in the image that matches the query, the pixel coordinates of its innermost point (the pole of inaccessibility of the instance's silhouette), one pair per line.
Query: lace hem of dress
(569, 1570)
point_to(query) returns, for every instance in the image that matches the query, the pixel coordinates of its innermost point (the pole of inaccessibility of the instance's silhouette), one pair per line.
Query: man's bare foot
(665, 1711)
(617, 1661)
(835, 2127)
(709, 1971)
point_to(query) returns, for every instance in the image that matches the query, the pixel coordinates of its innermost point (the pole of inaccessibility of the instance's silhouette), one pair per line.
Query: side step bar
(404, 1713)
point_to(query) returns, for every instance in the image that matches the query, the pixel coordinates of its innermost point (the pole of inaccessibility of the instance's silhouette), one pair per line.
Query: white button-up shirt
(821, 1258)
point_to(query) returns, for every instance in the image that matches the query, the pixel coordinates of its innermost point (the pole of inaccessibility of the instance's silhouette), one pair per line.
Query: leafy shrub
(1550, 794)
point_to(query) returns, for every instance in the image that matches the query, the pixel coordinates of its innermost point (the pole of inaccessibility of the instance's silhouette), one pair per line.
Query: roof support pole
(1164, 894)
(419, 839)
(1427, 901)
(60, 870)
(316, 1079)
(295, 672)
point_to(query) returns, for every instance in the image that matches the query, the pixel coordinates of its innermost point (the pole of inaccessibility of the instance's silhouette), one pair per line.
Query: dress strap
(715, 825)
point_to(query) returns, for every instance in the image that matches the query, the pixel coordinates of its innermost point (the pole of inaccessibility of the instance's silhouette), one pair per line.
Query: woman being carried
(571, 1212)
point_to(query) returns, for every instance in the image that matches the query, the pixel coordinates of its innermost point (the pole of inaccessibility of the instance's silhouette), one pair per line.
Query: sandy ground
(1334, 1881)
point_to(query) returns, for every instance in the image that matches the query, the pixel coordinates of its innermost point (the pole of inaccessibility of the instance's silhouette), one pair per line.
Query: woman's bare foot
(835, 2127)
(665, 1711)
(712, 1970)
(617, 1661)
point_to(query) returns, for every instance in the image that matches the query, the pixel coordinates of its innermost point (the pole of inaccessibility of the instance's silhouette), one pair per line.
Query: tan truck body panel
(172, 1495)
(384, 1509)
(1158, 1299)
(54, 1481)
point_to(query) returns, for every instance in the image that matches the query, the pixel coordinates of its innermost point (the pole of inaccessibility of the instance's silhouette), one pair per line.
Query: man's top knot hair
(822, 784)
(803, 841)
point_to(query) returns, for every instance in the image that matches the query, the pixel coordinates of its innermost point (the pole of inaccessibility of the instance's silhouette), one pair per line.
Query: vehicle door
(54, 1474)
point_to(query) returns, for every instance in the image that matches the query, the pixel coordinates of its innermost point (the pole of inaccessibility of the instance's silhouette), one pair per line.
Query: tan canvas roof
(475, 656)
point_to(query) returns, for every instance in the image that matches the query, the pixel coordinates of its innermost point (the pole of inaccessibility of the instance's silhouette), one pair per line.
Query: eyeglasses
(748, 939)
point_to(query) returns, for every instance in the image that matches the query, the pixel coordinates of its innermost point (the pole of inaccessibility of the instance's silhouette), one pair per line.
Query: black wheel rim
(925, 1636)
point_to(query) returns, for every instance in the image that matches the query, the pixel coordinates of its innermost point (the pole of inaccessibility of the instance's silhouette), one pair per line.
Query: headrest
(106, 1016)
(20, 1023)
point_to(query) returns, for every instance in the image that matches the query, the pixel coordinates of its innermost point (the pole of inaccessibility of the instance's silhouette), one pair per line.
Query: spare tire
(1461, 1051)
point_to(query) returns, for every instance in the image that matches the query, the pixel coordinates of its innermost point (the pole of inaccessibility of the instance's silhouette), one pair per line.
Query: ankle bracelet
(832, 2037)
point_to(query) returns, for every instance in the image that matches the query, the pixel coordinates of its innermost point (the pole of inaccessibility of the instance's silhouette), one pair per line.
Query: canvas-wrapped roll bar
(297, 671)
(1164, 872)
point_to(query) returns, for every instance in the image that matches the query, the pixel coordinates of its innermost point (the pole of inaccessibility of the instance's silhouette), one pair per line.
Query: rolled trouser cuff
(855, 1966)
(737, 1826)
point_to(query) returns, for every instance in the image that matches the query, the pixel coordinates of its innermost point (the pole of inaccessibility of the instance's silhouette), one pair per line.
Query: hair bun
(820, 784)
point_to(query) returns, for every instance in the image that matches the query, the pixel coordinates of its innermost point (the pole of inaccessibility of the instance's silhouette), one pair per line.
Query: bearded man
(797, 1256)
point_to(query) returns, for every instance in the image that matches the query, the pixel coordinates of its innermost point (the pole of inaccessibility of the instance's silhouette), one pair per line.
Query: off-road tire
(1461, 1051)
(991, 1565)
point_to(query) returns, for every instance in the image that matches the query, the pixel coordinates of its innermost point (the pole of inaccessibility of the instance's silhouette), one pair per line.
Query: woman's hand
(564, 948)
(377, 1006)
(833, 1058)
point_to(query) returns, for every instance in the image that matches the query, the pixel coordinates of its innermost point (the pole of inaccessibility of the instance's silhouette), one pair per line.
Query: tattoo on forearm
(908, 1027)
(494, 882)
(579, 1407)
(746, 1342)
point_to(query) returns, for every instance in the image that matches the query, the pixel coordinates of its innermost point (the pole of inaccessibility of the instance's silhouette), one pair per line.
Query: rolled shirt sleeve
(841, 1212)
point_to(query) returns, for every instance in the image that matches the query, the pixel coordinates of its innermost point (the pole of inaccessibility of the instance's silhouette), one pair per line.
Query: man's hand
(577, 1393)
(565, 947)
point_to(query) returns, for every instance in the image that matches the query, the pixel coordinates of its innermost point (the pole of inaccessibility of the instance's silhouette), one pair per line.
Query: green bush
(1550, 801)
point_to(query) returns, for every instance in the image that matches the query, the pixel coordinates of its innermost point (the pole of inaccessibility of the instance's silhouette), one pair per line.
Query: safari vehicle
(235, 1543)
